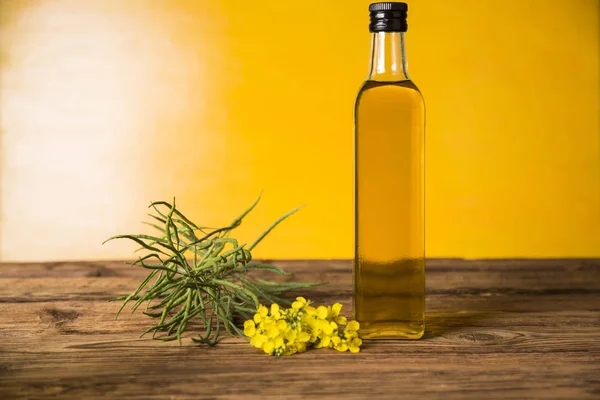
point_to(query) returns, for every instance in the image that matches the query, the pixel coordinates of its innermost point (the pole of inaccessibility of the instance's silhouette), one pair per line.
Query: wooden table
(496, 329)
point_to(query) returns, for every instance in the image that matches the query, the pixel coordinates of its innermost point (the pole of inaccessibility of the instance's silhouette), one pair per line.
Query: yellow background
(106, 105)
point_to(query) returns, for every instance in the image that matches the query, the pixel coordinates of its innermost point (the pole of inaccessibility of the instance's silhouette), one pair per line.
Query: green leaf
(214, 288)
(268, 267)
(270, 228)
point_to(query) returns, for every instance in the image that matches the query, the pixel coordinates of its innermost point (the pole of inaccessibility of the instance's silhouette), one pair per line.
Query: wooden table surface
(495, 329)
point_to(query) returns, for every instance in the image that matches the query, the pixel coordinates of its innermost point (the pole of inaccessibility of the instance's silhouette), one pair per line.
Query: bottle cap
(388, 17)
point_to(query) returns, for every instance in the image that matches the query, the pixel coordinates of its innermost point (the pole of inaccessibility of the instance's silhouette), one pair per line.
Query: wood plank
(468, 283)
(532, 275)
(74, 323)
(553, 271)
(36, 290)
(389, 373)
(524, 329)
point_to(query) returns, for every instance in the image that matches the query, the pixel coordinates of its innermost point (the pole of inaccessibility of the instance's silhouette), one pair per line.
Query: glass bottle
(389, 242)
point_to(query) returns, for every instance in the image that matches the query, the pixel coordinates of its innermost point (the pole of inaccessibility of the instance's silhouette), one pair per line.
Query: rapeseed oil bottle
(389, 242)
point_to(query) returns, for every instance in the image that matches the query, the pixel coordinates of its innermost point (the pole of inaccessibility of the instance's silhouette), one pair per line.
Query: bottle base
(391, 330)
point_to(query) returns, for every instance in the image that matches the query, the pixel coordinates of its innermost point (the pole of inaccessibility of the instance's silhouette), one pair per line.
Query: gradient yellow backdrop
(106, 105)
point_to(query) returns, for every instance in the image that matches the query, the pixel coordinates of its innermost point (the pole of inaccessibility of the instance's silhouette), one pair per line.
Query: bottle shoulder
(405, 84)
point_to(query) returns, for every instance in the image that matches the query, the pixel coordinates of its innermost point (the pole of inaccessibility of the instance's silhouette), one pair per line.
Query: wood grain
(495, 329)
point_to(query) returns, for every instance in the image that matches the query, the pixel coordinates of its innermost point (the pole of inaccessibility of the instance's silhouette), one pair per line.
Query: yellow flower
(259, 341)
(281, 332)
(275, 311)
(342, 346)
(261, 314)
(300, 347)
(268, 347)
(271, 328)
(352, 326)
(249, 328)
(351, 330)
(303, 337)
(325, 341)
(299, 303)
(277, 342)
(310, 310)
(336, 341)
(290, 335)
(355, 344)
(333, 313)
(332, 327)
(348, 340)
(350, 334)
(311, 326)
(322, 312)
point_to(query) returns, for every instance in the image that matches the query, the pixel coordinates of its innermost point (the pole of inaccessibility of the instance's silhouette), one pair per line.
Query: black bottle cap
(388, 17)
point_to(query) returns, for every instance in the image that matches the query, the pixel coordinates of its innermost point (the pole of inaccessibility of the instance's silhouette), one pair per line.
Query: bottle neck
(388, 58)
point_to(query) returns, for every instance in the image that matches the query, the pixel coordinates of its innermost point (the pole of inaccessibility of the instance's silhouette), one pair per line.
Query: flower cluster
(283, 332)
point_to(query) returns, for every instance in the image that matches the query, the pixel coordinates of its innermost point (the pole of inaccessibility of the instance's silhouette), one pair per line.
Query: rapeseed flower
(282, 332)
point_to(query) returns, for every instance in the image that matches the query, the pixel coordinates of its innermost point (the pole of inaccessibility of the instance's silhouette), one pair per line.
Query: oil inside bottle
(389, 268)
